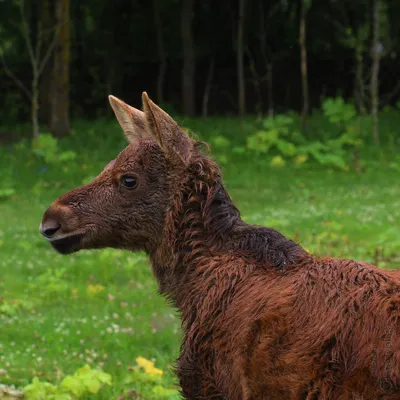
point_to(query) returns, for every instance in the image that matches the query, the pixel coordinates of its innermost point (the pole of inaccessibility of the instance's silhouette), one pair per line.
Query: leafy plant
(38, 390)
(50, 282)
(7, 188)
(46, 147)
(12, 307)
(337, 111)
(280, 138)
(220, 146)
(277, 134)
(84, 381)
(93, 290)
(149, 379)
(220, 142)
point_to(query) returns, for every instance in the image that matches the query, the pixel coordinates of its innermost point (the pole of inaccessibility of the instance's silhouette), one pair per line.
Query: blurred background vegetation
(300, 101)
(195, 57)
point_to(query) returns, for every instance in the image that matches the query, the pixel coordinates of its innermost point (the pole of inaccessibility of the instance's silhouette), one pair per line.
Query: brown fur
(262, 318)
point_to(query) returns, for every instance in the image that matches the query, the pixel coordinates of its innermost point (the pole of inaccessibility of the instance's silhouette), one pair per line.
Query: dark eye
(129, 181)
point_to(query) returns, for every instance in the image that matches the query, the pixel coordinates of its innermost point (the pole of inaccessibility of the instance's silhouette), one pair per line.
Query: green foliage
(150, 381)
(277, 134)
(85, 381)
(280, 139)
(162, 392)
(220, 142)
(50, 282)
(352, 127)
(46, 147)
(337, 111)
(38, 390)
(356, 39)
(13, 307)
(220, 146)
(7, 188)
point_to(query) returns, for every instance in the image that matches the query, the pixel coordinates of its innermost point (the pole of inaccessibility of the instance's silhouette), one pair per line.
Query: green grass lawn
(101, 308)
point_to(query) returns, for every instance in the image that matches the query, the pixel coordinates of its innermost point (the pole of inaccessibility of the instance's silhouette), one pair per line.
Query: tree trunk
(188, 84)
(257, 83)
(161, 53)
(207, 88)
(270, 91)
(239, 60)
(35, 104)
(359, 84)
(60, 87)
(45, 17)
(376, 55)
(303, 64)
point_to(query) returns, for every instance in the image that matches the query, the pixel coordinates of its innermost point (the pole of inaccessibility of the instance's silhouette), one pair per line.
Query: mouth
(68, 244)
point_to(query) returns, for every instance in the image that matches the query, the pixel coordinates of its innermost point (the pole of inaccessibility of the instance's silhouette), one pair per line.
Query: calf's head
(126, 205)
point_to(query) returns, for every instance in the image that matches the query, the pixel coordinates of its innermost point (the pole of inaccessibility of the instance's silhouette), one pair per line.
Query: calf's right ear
(175, 143)
(132, 120)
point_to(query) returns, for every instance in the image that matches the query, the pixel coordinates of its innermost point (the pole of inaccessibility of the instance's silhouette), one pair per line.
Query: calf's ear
(132, 120)
(175, 142)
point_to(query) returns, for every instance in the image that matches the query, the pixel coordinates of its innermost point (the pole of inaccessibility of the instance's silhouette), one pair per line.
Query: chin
(68, 245)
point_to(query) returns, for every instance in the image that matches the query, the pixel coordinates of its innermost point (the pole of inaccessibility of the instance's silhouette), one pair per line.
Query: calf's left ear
(175, 142)
(132, 120)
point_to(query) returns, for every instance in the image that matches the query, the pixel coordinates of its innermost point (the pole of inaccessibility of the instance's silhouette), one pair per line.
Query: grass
(58, 313)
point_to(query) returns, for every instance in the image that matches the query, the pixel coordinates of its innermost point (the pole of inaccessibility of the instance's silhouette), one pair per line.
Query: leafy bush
(46, 147)
(6, 183)
(351, 127)
(220, 146)
(278, 134)
(146, 378)
(280, 138)
(149, 379)
(85, 381)
(12, 307)
(50, 282)
(337, 111)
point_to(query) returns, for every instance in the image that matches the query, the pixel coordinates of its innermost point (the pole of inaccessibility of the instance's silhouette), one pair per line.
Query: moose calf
(262, 318)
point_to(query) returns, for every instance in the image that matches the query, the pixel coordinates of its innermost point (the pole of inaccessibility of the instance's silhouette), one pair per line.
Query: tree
(45, 12)
(38, 60)
(376, 51)
(188, 73)
(354, 33)
(59, 124)
(240, 61)
(304, 6)
(359, 48)
(190, 54)
(161, 52)
(207, 88)
(262, 69)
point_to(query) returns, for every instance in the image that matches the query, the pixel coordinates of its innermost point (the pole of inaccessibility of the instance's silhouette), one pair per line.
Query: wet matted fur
(261, 317)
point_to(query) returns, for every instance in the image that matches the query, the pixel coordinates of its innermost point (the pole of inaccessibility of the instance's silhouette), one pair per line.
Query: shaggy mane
(209, 223)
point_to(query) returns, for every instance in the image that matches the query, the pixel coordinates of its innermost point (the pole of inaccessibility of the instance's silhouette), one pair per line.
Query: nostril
(49, 228)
